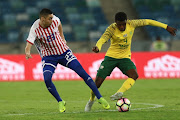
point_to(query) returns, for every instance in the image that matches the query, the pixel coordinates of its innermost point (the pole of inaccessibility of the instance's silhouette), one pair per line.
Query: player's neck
(42, 25)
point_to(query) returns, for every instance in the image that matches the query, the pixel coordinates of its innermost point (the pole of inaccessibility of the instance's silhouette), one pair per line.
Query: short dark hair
(120, 16)
(45, 12)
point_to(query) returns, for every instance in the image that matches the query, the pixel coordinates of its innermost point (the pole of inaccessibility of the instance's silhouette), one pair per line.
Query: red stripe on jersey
(54, 23)
(47, 52)
(29, 42)
(38, 33)
(57, 22)
(61, 42)
(56, 43)
(52, 42)
(41, 41)
(50, 47)
(53, 26)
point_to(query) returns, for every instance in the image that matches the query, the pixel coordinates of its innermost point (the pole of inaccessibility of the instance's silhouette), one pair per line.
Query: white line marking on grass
(21, 114)
(154, 106)
(148, 104)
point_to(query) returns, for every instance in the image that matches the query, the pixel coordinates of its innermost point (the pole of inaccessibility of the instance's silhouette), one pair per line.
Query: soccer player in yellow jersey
(119, 53)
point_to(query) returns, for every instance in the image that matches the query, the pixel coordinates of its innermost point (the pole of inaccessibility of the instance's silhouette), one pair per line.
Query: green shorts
(109, 64)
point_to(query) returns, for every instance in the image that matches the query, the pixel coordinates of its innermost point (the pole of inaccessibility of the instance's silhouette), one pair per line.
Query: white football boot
(89, 105)
(117, 96)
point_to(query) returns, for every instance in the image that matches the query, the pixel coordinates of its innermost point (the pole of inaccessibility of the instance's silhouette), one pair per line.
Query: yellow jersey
(121, 40)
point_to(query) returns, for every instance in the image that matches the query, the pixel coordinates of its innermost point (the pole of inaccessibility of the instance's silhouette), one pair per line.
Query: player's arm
(104, 38)
(30, 41)
(28, 50)
(144, 22)
(170, 29)
(61, 32)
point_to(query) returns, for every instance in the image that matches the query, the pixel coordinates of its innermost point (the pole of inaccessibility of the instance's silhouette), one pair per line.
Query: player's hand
(28, 55)
(171, 30)
(95, 49)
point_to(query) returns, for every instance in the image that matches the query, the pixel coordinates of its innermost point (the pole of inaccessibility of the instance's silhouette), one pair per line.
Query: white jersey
(47, 40)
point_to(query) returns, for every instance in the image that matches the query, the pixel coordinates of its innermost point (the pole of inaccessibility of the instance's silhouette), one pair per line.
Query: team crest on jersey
(125, 35)
(101, 67)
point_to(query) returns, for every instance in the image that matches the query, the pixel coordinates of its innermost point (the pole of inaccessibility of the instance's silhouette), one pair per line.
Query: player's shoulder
(131, 21)
(35, 24)
(112, 26)
(55, 18)
(135, 20)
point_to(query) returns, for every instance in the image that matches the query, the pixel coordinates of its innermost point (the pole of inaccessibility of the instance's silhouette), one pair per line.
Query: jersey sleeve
(144, 22)
(57, 20)
(106, 36)
(32, 35)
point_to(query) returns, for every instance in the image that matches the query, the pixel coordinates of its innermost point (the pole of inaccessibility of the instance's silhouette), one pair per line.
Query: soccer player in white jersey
(47, 35)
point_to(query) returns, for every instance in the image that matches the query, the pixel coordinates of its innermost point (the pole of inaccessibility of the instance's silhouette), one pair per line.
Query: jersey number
(50, 37)
(69, 56)
(125, 40)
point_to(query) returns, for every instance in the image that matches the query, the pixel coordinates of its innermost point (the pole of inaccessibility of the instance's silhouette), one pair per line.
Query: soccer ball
(123, 105)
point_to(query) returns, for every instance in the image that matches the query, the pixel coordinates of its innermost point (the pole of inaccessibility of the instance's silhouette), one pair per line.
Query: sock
(92, 96)
(127, 85)
(50, 86)
(76, 66)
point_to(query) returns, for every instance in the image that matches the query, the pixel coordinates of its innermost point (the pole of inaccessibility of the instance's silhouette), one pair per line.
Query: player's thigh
(49, 63)
(66, 58)
(125, 65)
(106, 67)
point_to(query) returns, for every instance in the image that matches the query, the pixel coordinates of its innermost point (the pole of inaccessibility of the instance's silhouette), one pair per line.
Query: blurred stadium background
(84, 21)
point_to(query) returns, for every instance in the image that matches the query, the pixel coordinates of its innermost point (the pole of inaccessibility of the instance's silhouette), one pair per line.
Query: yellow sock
(127, 85)
(92, 98)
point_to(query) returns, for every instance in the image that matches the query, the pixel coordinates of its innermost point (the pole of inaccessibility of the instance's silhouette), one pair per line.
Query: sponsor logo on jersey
(167, 66)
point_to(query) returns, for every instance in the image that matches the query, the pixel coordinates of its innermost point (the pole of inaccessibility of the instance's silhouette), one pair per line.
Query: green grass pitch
(151, 100)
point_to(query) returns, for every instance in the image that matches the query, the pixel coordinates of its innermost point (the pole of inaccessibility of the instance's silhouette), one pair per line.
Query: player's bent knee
(135, 76)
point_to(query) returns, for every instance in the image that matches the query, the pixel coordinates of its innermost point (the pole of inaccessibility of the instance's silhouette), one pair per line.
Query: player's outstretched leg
(104, 103)
(47, 72)
(62, 107)
(76, 66)
(126, 85)
(90, 103)
(117, 96)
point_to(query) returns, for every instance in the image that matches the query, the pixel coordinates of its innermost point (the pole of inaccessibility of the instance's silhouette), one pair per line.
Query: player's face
(48, 20)
(121, 25)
